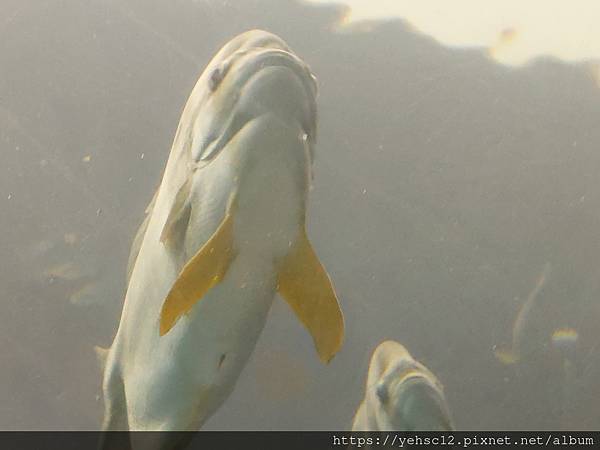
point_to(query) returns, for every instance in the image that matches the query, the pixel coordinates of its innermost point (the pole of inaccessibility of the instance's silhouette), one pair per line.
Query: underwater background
(446, 185)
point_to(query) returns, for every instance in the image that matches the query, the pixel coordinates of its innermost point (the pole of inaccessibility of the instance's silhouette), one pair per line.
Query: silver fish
(401, 394)
(224, 233)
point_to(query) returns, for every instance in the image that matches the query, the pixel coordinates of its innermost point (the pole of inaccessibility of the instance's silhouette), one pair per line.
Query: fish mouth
(420, 401)
(258, 59)
(409, 377)
(248, 83)
(413, 376)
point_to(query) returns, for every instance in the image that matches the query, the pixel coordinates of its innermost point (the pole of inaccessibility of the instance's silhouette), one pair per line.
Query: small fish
(65, 271)
(506, 37)
(343, 20)
(401, 394)
(513, 354)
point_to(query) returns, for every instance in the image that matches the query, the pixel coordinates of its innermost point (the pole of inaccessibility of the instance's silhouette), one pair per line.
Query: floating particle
(71, 238)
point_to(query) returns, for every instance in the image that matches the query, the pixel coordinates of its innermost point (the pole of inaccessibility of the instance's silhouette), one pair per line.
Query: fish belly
(193, 369)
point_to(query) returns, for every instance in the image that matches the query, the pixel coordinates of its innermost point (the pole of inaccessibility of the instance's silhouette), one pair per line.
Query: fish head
(248, 125)
(412, 400)
(256, 73)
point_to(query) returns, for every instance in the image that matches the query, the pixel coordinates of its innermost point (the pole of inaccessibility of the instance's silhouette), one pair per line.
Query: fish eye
(215, 79)
(382, 393)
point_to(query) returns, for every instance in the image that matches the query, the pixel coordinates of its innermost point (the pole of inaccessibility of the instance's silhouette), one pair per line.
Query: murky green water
(444, 185)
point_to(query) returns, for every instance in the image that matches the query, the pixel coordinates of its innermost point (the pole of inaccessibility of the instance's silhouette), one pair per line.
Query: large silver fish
(401, 394)
(224, 233)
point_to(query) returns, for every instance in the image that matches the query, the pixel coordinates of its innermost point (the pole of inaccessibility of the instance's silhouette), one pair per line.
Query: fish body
(224, 233)
(401, 394)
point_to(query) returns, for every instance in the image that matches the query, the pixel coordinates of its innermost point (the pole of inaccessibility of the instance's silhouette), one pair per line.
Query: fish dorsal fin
(179, 215)
(203, 271)
(305, 285)
(136, 245)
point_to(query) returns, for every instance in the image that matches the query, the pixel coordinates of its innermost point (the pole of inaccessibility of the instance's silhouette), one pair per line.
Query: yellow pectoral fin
(203, 271)
(305, 285)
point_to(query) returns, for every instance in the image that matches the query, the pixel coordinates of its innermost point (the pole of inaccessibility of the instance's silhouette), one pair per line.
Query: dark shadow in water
(443, 184)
